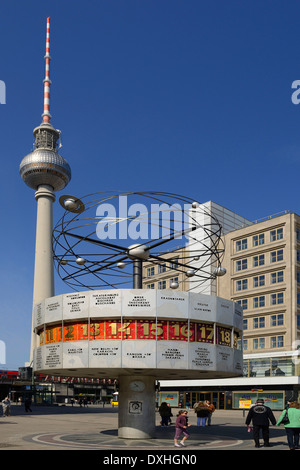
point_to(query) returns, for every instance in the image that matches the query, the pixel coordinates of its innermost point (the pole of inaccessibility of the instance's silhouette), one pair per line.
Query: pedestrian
(292, 425)
(261, 416)
(6, 406)
(181, 428)
(170, 413)
(202, 412)
(27, 404)
(165, 413)
(188, 405)
(211, 409)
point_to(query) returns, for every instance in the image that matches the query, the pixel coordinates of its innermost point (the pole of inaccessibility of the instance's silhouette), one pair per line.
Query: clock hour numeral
(148, 329)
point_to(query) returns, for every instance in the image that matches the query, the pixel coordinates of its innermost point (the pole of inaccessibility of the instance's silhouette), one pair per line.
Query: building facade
(262, 261)
(263, 266)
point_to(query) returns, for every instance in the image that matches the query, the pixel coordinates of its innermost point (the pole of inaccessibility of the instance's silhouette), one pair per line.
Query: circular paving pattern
(109, 440)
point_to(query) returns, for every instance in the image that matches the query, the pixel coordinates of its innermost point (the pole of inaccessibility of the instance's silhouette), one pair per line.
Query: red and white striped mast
(47, 82)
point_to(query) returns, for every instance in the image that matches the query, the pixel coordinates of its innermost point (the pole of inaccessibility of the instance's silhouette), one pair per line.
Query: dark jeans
(265, 434)
(165, 420)
(292, 437)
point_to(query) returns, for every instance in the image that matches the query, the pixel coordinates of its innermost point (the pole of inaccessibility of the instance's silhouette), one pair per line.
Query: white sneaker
(182, 443)
(177, 445)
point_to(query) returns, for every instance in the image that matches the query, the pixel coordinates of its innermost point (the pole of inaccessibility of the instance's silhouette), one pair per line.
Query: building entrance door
(190, 398)
(217, 398)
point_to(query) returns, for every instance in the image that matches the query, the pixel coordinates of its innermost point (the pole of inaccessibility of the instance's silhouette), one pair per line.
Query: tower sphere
(45, 167)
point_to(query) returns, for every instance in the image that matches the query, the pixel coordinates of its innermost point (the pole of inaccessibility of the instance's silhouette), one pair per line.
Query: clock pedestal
(136, 407)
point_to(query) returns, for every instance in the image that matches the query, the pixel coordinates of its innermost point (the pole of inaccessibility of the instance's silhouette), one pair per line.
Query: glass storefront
(269, 367)
(221, 400)
(274, 400)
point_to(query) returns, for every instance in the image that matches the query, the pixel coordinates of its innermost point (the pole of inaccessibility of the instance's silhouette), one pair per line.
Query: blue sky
(186, 96)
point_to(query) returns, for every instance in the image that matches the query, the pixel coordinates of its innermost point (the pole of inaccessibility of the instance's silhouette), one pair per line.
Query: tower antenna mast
(47, 82)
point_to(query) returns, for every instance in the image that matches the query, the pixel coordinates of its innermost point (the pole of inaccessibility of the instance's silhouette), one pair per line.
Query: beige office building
(262, 261)
(263, 275)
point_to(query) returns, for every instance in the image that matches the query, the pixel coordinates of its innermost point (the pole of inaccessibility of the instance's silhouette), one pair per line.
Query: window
(245, 344)
(150, 286)
(243, 303)
(298, 256)
(298, 234)
(258, 239)
(259, 322)
(242, 285)
(276, 342)
(150, 271)
(277, 298)
(241, 265)
(277, 277)
(162, 284)
(277, 320)
(276, 256)
(259, 281)
(245, 324)
(276, 234)
(258, 260)
(162, 268)
(298, 298)
(298, 276)
(174, 264)
(259, 301)
(241, 245)
(259, 343)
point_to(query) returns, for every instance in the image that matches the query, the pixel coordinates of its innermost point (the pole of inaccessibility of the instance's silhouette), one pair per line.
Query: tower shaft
(43, 284)
(43, 269)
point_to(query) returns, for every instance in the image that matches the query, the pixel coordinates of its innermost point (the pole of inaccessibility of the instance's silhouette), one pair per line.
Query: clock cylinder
(138, 336)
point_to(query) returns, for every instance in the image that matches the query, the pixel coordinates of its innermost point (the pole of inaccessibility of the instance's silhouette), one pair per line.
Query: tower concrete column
(43, 270)
(136, 407)
(43, 285)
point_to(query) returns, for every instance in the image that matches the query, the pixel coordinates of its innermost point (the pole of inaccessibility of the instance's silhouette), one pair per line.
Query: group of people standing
(204, 411)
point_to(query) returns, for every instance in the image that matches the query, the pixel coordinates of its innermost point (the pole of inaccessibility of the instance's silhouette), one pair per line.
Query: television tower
(47, 172)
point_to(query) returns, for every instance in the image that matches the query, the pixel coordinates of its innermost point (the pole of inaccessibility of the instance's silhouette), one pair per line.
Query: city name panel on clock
(154, 332)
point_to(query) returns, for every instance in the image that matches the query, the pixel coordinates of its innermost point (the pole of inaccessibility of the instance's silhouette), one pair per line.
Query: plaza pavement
(94, 428)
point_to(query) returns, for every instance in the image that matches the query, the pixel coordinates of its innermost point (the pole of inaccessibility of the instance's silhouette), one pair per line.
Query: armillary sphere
(104, 240)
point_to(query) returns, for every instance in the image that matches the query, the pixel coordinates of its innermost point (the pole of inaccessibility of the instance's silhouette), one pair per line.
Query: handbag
(285, 419)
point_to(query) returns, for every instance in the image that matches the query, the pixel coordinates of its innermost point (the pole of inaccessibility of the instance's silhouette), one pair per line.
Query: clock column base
(136, 407)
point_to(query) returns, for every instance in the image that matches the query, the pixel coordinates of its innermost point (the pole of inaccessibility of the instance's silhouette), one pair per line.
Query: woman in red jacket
(181, 428)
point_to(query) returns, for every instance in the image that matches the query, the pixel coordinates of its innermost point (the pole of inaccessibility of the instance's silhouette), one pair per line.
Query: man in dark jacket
(260, 415)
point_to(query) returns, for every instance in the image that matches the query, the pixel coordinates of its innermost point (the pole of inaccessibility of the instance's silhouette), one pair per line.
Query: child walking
(181, 428)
